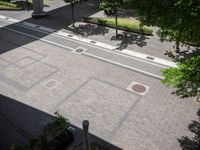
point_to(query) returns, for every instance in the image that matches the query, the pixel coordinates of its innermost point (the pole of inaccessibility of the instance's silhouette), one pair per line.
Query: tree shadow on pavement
(60, 18)
(89, 30)
(192, 143)
(127, 38)
(19, 122)
(57, 19)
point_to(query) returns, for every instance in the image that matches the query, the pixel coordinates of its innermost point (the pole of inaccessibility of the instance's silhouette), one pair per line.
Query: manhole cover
(51, 84)
(93, 42)
(79, 50)
(138, 88)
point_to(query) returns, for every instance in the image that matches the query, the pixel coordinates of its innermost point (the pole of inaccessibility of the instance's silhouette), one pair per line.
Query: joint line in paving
(71, 94)
(116, 86)
(124, 118)
(121, 65)
(35, 37)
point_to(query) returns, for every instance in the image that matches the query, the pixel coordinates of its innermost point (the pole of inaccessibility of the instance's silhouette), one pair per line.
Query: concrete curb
(92, 42)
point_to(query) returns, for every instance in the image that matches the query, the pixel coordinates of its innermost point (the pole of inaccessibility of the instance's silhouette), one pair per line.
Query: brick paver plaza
(50, 78)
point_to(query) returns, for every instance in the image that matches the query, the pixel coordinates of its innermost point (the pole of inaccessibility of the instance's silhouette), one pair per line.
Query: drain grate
(149, 57)
(138, 88)
(70, 35)
(93, 42)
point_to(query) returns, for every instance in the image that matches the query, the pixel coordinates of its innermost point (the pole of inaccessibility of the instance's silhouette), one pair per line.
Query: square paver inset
(25, 78)
(20, 53)
(3, 64)
(25, 62)
(104, 105)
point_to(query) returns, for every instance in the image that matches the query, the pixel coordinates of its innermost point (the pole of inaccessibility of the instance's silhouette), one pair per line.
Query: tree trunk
(72, 7)
(27, 3)
(177, 47)
(116, 23)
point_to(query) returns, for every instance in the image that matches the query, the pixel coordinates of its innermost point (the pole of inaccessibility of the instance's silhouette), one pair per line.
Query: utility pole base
(40, 15)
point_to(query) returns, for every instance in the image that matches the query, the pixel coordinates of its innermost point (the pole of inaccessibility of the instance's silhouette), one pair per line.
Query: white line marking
(66, 47)
(114, 52)
(102, 46)
(125, 66)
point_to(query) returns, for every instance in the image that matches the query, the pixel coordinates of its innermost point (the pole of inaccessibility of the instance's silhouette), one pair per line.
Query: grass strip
(8, 6)
(123, 24)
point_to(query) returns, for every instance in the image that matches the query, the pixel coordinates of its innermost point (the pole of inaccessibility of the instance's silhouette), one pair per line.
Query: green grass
(45, 2)
(125, 23)
(6, 5)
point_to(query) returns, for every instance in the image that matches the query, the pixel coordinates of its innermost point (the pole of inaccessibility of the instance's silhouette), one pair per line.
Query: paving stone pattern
(82, 88)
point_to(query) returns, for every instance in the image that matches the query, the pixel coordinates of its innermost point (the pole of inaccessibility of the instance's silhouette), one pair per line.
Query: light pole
(38, 9)
(86, 134)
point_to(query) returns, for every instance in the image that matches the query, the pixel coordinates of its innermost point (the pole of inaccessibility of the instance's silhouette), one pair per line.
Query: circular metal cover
(79, 50)
(138, 88)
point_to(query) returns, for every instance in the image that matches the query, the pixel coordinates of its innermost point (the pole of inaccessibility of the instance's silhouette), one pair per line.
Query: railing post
(86, 134)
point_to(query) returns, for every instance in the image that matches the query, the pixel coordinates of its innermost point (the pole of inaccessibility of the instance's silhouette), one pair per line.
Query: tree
(179, 20)
(72, 2)
(185, 78)
(112, 7)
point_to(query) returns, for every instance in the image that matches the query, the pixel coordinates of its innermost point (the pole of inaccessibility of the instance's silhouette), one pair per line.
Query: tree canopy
(111, 5)
(185, 78)
(179, 20)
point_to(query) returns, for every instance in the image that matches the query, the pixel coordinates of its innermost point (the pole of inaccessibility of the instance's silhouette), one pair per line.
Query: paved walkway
(59, 18)
(45, 73)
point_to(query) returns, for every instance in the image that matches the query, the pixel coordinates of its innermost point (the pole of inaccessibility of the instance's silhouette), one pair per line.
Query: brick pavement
(87, 88)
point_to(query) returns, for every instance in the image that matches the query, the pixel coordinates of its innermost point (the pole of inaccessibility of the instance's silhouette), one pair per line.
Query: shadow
(20, 122)
(127, 38)
(60, 18)
(89, 30)
(192, 143)
(15, 35)
(183, 54)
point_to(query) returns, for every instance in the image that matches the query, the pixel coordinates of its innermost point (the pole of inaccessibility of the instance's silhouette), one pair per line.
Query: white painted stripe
(65, 36)
(156, 59)
(96, 45)
(27, 25)
(47, 41)
(3, 17)
(114, 52)
(125, 66)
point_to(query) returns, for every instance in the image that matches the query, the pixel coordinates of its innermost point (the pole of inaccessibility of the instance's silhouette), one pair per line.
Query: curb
(127, 52)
